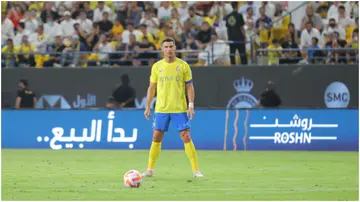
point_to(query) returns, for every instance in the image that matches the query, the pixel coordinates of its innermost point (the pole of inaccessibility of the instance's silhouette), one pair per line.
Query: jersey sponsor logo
(337, 95)
(243, 98)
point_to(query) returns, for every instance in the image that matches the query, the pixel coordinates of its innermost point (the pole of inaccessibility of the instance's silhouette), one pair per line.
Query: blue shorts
(179, 120)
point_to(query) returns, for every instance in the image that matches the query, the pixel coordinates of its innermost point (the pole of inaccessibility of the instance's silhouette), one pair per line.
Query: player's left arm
(189, 90)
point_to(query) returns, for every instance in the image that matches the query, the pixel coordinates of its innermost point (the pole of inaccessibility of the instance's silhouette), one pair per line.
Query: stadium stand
(117, 33)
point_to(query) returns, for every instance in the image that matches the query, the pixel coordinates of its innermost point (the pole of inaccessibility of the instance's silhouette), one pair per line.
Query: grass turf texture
(97, 175)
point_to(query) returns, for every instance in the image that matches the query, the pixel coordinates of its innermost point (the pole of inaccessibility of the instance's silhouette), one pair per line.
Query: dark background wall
(298, 86)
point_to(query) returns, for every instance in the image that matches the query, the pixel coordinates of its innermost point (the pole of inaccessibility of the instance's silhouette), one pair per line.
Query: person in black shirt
(25, 97)
(236, 32)
(269, 98)
(124, 95)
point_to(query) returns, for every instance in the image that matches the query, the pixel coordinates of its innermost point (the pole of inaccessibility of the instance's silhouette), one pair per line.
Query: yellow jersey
(170, 79)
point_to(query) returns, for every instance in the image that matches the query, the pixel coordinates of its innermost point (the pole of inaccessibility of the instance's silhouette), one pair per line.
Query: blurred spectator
(88, 11)
(144, 33)
(250, 15)
(39, 40)
(294, 34)
(26, 53)
(236, 33)
(31, 23)
(8, 56)
(124, 95)
(130, 30)
(67, 25)
(336, 56)
(274, 52)
(244, 10)
(204, 35)
(263, 18)
(183, 11)
(99, 12)
(147, 58)
(250, 32)
(293, 56)
(25, 97)
(134, 13)
(175, 23)
(164, 12)
(117, 29)
(343, 20)
(105, 48)
(70, 57)
(56, 50)
(130, 51)
(93, 38)
(312, 49)
(191, 46)
(307, 34)
(51, 29)
(334, 27)
(20, 33)
(85, 24)
(15, 14)
(353, 56)
(81, 33)
(105, 24)
(151, 22)
(269, 9)
(49, 12)
(7, 28)
(333, 11)
(314, 18)
(196, 20)
(215, 52)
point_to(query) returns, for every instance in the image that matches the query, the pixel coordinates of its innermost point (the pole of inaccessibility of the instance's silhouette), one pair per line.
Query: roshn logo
(50, 101)
(243, 99)
(337, 95)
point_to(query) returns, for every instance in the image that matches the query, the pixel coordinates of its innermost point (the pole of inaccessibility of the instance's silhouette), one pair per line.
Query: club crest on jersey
(243, 98)
(178, 68)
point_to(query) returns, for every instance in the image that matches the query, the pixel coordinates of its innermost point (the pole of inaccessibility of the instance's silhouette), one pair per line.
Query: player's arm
(150, 94)
(18, 99)
(189, 90)
(190, 93)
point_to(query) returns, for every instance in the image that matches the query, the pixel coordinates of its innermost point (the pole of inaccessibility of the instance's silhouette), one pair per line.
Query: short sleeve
(187, 74)
(20, 93)
(154, 74)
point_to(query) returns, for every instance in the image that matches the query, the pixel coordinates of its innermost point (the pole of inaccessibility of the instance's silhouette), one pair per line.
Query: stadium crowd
(48, 34)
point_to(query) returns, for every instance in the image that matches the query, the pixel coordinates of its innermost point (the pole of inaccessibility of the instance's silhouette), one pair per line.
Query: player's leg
(160, 125)
(182, 124)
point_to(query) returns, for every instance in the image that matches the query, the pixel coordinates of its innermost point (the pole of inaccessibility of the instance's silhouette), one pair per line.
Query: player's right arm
(151, 91)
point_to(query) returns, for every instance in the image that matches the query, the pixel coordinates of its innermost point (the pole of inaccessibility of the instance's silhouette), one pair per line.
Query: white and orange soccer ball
(132, 179)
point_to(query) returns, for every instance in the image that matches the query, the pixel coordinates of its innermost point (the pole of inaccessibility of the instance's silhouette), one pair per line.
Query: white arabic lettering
(95, 134)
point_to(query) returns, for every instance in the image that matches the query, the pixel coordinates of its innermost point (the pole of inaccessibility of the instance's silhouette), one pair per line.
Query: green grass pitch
(251, 175)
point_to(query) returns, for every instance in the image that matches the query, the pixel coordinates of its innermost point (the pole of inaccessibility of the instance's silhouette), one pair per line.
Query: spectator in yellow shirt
(117, 29)
(8, 54)
(143, 29)
(26, 53)
(274, 52)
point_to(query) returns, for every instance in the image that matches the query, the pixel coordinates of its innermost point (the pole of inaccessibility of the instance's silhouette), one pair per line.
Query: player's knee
(185, 136)
(158, 135)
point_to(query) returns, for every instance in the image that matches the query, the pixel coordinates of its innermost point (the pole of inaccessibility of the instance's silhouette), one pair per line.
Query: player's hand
(190, 113)
(147, 113)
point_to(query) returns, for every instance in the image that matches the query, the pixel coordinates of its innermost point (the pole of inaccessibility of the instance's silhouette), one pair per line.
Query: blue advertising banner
(255, 129)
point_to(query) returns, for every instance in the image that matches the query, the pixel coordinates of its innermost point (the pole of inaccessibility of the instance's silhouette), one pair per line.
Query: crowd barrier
(253, 129)
(299, 86)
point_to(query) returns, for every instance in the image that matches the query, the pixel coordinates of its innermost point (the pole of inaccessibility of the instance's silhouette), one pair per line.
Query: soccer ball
(132, 179)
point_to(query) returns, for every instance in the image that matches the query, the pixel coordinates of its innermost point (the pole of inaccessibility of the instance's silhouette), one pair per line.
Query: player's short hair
(169, 39)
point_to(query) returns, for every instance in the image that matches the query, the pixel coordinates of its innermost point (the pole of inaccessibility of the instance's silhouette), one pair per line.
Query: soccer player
(169, 78)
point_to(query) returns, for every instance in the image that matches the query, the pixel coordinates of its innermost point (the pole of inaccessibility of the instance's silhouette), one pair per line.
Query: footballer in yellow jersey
(170, 78)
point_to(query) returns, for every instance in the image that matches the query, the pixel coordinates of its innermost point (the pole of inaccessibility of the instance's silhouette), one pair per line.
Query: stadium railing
(318, 56)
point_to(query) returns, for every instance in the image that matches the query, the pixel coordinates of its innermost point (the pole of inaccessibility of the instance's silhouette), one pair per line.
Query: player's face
(169, 49)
